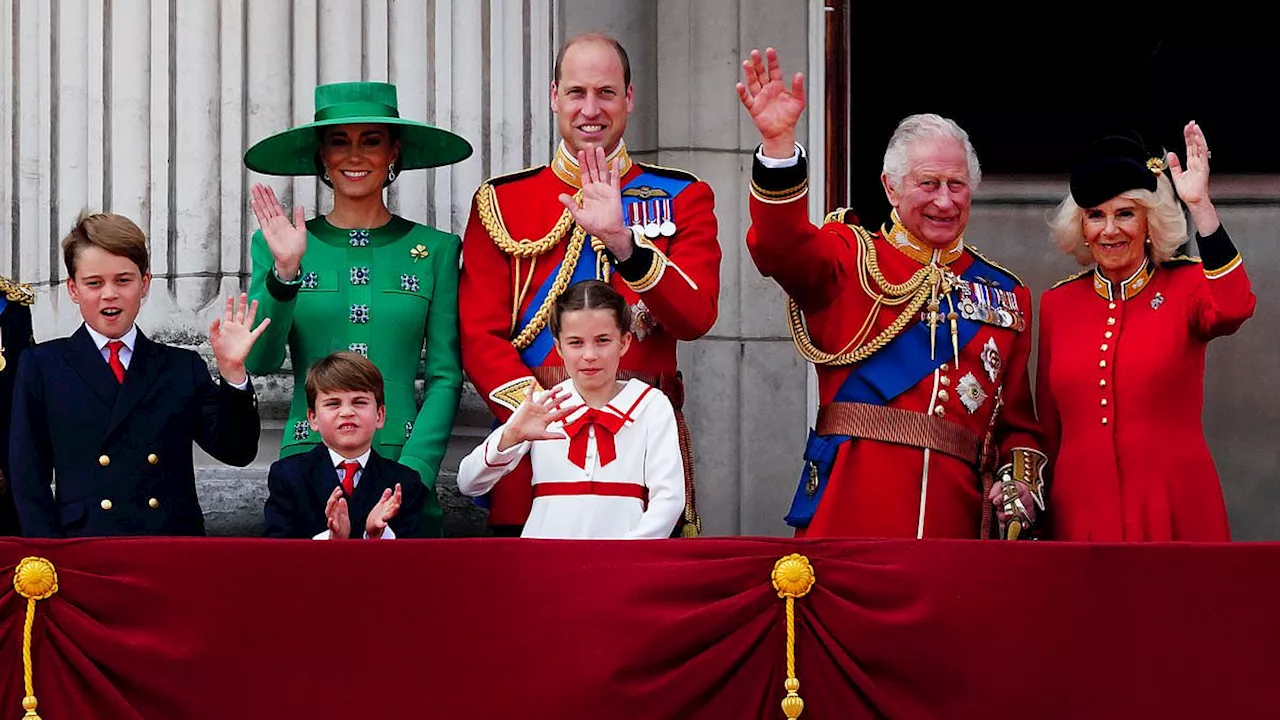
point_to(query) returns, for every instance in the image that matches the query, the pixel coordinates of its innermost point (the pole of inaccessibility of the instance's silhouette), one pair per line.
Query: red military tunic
(1120, 390)
(672, 283)
(877, 488)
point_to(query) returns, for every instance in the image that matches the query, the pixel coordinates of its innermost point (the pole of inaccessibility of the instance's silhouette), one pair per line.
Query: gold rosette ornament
(793, 578)
(34, 579)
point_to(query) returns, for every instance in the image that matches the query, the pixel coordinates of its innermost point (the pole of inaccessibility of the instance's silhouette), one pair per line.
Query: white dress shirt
(130, 339)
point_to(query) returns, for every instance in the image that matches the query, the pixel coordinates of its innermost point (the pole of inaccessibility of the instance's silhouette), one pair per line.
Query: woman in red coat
(1120, 386)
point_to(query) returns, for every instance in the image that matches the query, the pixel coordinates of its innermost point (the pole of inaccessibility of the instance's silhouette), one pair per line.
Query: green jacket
(382, 293)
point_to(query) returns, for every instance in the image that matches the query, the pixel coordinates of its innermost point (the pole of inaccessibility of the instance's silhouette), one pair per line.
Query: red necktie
(349, 469)
(117, 367)
(606, 424)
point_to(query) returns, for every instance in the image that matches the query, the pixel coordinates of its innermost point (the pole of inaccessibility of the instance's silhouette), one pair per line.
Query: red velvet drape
(220, 628)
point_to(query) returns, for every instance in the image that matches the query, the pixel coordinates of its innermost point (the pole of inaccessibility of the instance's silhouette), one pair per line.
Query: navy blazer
(15, 338)
(120, 452)
(299, 487)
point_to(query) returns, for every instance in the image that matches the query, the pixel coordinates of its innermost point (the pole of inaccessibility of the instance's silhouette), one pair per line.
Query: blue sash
(878, 380)
(645, 186)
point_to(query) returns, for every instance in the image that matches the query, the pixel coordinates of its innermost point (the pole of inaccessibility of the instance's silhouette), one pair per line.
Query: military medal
(991, 359)
(642, 321)
(636, 224)
(667, 228)
(651, 227)
(971, 393)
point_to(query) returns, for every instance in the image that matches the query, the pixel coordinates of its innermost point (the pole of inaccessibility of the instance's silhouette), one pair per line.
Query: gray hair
(1166, 225)
(927, 126)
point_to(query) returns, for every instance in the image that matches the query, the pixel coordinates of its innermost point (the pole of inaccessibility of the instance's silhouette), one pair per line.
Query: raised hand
(337, 516)
(774, 108)
(1192, 181)
(232, 338)
(530, 420)
(382, 513)
(600, 211)
(287, 240)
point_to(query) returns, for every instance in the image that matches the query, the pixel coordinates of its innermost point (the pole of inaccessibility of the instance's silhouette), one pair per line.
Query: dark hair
(591, 295)
(393, 135)
(114, 233)
(600, 38)
(344, 372)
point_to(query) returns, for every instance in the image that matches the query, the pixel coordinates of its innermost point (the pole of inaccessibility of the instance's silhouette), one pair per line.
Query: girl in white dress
(605, 454)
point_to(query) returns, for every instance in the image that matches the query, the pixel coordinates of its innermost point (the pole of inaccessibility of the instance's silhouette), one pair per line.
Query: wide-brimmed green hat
(293, 152)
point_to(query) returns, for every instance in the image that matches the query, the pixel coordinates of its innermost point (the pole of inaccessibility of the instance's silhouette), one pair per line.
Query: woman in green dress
(360, 278)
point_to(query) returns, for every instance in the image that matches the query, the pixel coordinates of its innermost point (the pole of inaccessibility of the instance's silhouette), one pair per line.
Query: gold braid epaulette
(563, 276)
(17, 292)
(491, 218)
(914, 292)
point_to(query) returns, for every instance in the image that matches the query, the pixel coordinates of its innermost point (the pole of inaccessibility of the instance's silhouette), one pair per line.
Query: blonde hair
(1166, 225)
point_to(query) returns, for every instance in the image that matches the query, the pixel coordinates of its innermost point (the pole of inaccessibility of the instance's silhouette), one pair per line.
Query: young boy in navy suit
(342, 483)
(111, 415)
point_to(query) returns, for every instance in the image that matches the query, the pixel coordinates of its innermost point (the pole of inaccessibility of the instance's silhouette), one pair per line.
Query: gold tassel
(793, 577)
(34, 579)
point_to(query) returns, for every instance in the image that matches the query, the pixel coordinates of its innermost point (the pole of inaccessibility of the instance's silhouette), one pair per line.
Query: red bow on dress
(606, 423)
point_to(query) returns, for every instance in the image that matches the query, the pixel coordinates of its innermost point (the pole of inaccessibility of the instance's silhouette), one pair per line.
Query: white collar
(129, 338)
(335, 459)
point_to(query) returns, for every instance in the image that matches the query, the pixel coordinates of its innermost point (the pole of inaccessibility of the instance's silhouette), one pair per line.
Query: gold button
(1104, 402)
(1104, 349)
(153, 459)
(939, 411)
(943, 396)
(1102, 383)
(103, 460)
(154, 503)
(944, 380)
(1111, 306)
(1104, 421)
(106, 504)
(1102, 364)
(1111, 321)
(1107, 334)
(944, 368)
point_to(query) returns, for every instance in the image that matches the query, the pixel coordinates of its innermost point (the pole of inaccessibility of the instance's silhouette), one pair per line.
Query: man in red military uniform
(651, 233)
(921, 344)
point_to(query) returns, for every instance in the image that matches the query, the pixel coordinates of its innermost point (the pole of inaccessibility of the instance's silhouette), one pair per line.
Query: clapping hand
(337, 516)
(383, 513)
(287, 240)
(774, 108)
(232, 338)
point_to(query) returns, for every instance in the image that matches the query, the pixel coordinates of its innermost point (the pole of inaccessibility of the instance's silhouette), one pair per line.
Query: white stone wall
(145, 107)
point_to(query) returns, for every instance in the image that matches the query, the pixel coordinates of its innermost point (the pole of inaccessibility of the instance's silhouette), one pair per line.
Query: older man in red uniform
(651, 233)
(921, 344)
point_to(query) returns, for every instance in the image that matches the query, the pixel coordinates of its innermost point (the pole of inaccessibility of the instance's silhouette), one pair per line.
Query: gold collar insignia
(565, 165)
(917, 250)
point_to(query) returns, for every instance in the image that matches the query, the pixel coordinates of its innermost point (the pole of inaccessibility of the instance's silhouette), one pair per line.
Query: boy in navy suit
(110, 414)
(343, 483)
